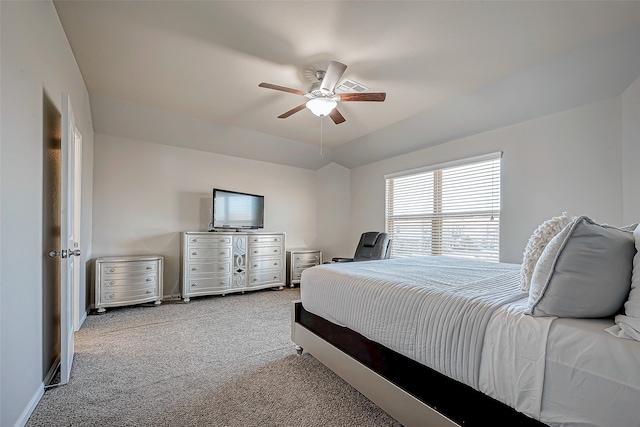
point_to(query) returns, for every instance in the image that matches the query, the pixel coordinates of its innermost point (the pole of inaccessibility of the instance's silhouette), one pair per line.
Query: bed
(440, 341)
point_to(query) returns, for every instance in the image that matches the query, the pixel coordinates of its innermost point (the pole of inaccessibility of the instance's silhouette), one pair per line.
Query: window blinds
(451, 209)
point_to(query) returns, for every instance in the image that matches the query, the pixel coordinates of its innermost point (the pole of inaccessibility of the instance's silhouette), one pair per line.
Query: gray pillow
(585, 271)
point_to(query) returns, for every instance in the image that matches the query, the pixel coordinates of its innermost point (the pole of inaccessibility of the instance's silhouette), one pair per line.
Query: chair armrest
(342, 259)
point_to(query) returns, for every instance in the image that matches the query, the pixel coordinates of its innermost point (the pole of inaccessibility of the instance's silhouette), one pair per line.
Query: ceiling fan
(322, 97)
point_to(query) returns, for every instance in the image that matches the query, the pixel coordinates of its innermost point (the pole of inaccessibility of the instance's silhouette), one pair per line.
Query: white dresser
(299, 260)
(127, 280)
(218, 263)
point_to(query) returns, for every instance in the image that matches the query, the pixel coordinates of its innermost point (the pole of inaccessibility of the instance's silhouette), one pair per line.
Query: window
(450, 209)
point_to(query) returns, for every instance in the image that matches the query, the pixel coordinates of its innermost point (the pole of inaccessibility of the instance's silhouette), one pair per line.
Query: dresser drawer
(261, 251)
(131, 295)
(264, 278)
(266, 264)
(129, 268)
(207, 285)
(265, 240)
(209, 268)
(209, 240)
(204, 252)
(297, 265)
(123, 281)
(306, 259)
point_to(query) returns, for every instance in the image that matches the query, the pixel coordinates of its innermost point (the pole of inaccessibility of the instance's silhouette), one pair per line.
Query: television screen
(237, 210)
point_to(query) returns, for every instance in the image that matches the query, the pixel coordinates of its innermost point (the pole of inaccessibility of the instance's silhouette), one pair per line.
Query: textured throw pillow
(536, 244)
(628, 324)
(585, 271)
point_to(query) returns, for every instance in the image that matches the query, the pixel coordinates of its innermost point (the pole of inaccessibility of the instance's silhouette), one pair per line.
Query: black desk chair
(373, 245)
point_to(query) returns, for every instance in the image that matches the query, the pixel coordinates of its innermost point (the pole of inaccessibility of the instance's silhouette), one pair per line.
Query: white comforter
(434, 310)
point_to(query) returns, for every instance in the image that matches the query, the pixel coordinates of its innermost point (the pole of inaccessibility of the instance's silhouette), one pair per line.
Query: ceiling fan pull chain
(321, 136)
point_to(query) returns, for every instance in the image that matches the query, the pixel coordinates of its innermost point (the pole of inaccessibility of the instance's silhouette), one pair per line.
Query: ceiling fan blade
(336, 116)
(281, 88)
(332, 75)
(292, 111)
(374, 96)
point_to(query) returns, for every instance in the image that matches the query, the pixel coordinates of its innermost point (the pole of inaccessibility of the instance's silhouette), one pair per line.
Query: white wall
(36, 59)
(145, 194)
(631, 153)
(334, 200)
(568, 161)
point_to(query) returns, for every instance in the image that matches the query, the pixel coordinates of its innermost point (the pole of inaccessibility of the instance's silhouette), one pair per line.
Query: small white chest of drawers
(299, 260)
(218, 263)
(127, 280)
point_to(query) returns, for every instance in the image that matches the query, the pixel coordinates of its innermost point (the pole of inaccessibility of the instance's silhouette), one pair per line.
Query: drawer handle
(111, 282)
(275, 263)
(194, 240)
(223, 253)
(149, 279)
(194, 253)
(112, 270)
(222, 268)
(194, 268)
(255, 252)
(275, 250)
(275, 277)
(255, 280)
(275, 240)
(193, 285)
(149, 267)
(255, 265)
(111, 296)
(148, 292)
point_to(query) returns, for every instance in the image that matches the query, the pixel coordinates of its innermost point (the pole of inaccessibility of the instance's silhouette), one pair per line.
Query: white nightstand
(299, 260)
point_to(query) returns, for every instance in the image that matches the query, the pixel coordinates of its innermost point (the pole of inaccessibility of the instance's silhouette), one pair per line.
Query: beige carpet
(216, 361)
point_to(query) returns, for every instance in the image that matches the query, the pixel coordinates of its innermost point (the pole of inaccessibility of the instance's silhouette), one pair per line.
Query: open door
(68, 246)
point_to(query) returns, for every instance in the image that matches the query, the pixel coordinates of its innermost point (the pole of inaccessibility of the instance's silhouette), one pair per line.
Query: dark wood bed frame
(412, 393)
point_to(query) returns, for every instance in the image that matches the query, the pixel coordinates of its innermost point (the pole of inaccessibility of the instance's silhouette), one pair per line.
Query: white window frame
(439, 225)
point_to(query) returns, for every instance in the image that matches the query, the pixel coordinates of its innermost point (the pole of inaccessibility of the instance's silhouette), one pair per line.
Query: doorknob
(64, 253)
(61, 254)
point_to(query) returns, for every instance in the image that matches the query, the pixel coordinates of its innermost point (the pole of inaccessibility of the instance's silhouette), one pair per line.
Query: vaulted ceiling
(205, 59)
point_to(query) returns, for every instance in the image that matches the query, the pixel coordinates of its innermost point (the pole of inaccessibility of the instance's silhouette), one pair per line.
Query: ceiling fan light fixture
(321, 106)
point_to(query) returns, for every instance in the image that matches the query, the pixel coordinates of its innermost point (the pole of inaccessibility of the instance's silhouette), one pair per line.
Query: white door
(69, 247)
(78, 305)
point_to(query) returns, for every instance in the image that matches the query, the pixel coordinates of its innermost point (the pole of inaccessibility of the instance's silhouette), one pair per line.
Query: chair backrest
(373, 245)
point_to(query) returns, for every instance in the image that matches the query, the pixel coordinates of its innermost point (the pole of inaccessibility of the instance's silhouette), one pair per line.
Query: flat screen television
(237, 210)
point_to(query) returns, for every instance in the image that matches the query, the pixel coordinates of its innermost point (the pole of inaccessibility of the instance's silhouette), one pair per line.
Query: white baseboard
(82, 319)
(24, 417)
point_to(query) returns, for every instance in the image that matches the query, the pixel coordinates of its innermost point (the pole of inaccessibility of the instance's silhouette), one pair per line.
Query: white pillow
(536, 244)
(628, 324)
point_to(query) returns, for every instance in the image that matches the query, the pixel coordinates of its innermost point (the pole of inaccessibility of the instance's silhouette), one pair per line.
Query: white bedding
(436, 316)
(466, 320)
(513, 358)
(592, 378)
